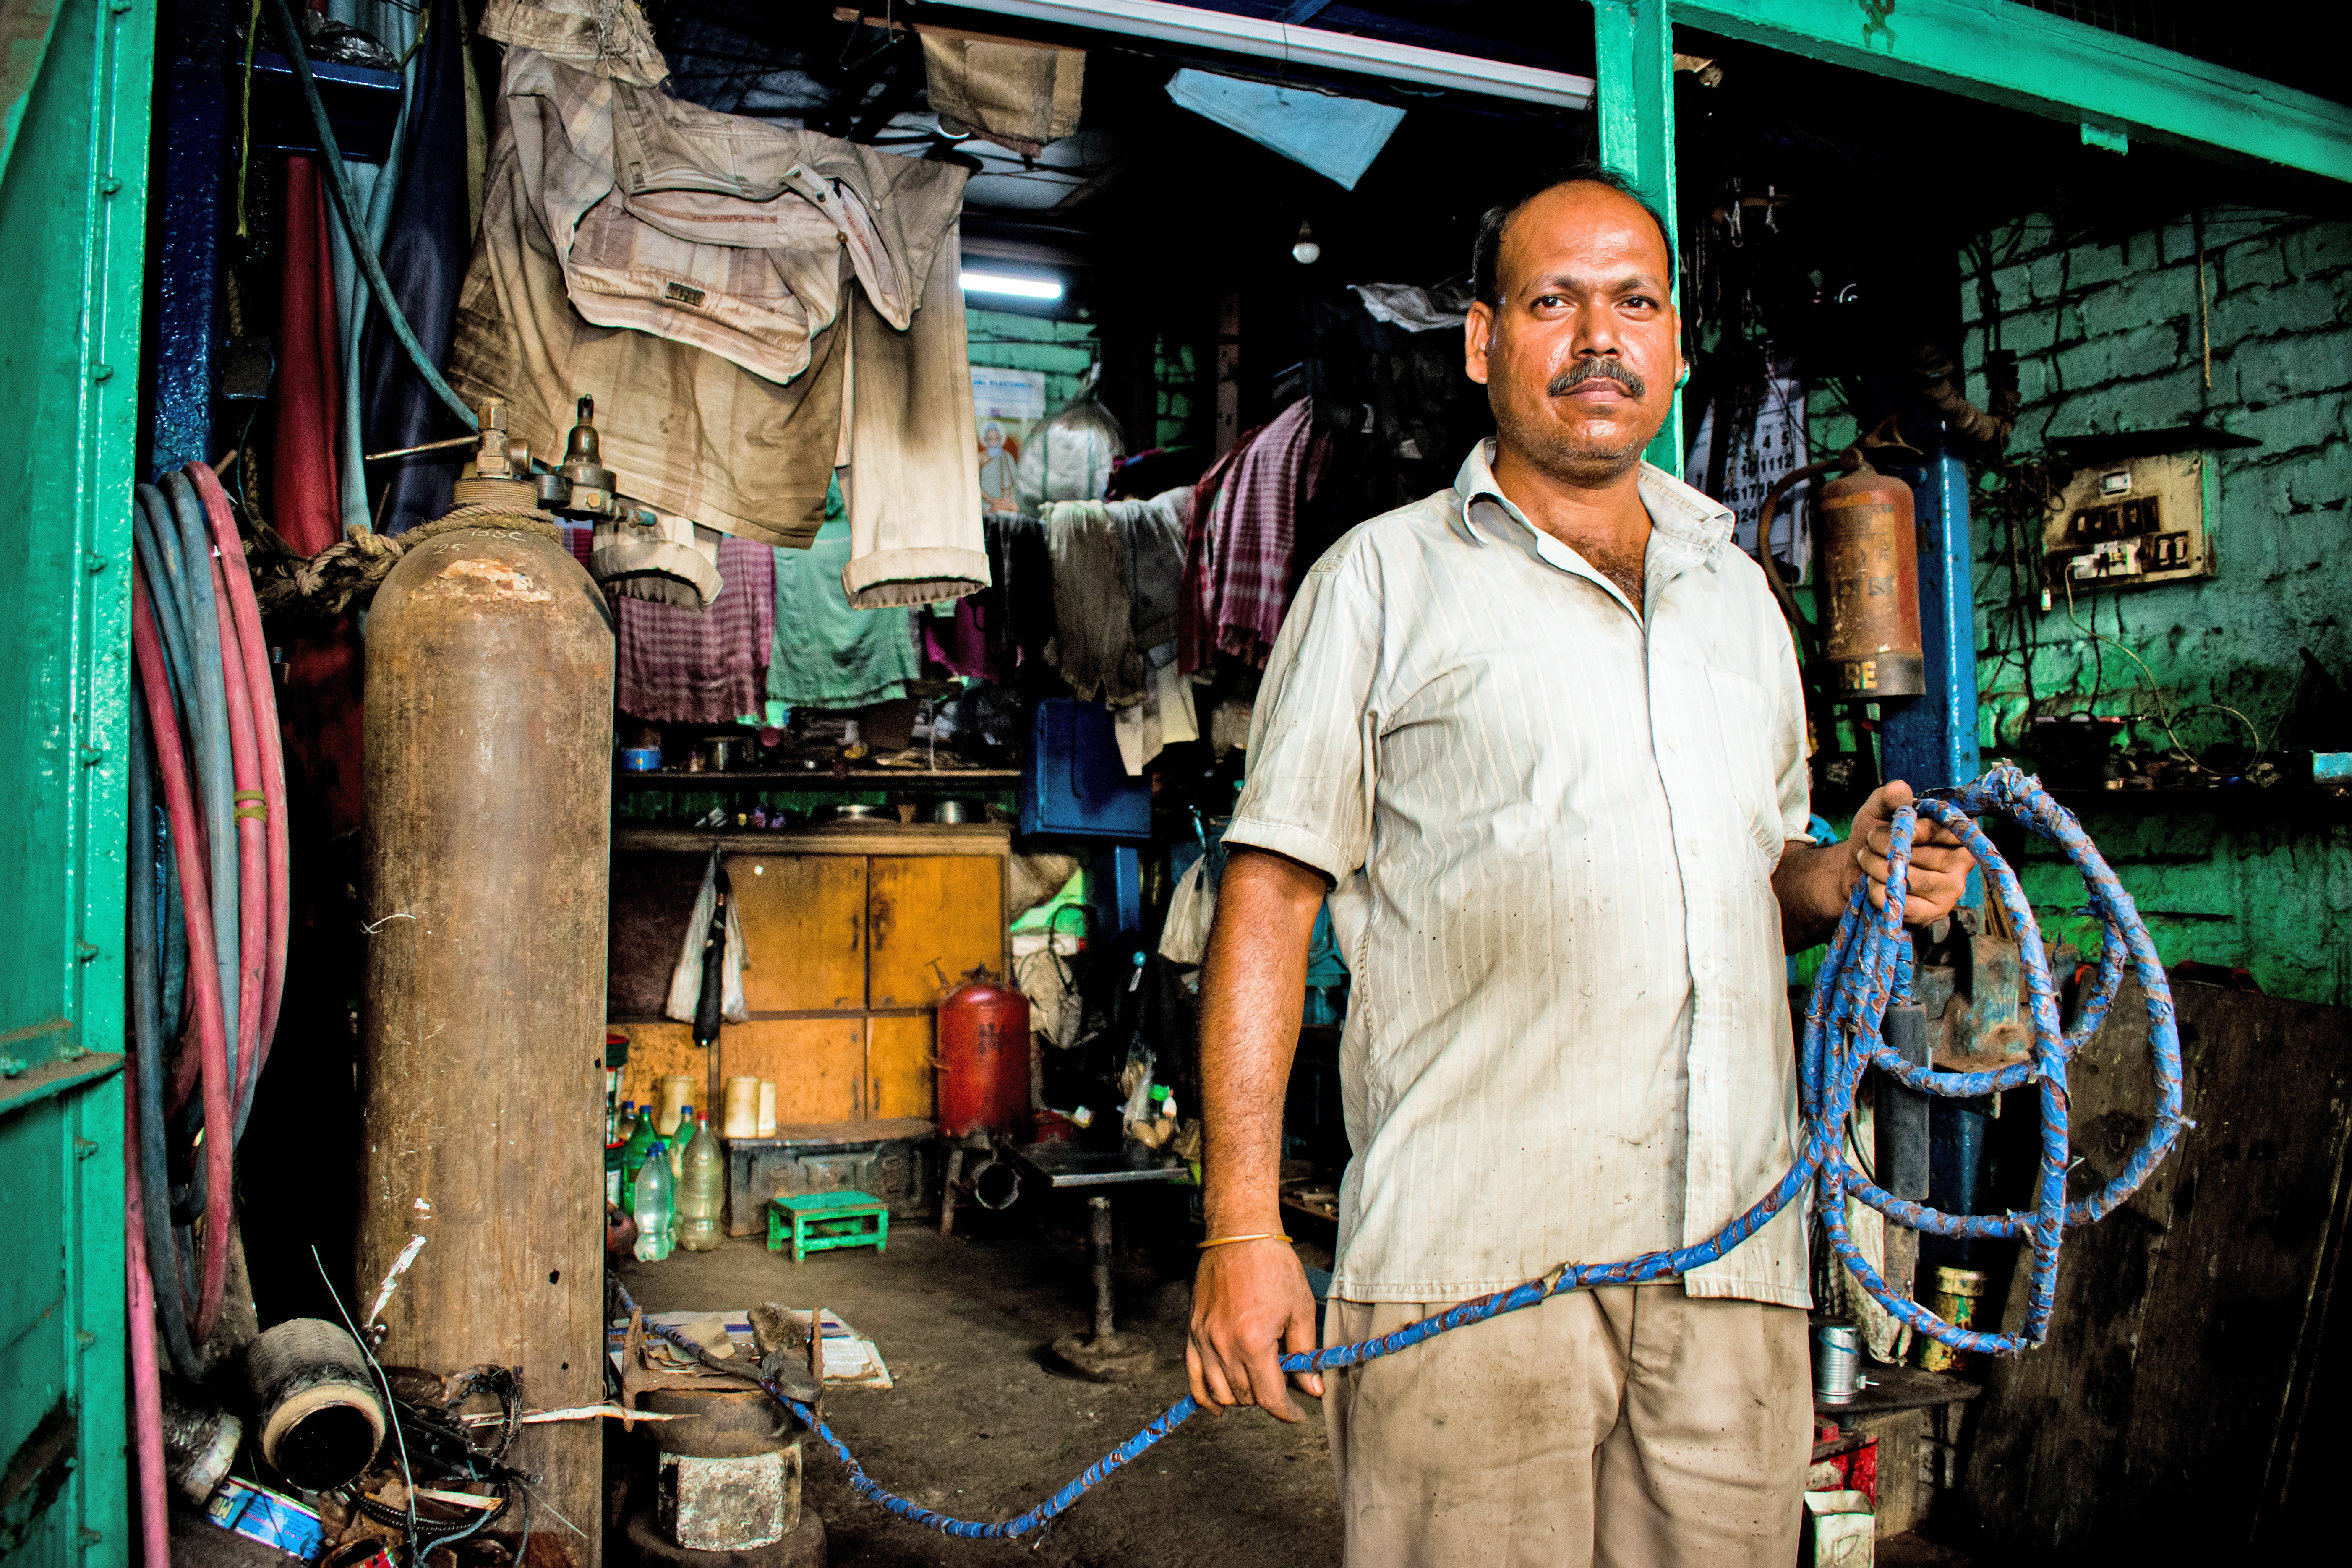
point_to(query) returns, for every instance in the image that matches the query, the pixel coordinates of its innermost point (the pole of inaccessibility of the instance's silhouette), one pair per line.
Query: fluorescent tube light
(1018, 287)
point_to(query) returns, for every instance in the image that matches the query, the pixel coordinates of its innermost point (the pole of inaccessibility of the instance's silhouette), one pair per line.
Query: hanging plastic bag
(686, 981)
(1071, 458)
(1191, 910)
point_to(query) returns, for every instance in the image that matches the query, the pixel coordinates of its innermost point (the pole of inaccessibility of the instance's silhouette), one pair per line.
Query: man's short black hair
(1487, 249)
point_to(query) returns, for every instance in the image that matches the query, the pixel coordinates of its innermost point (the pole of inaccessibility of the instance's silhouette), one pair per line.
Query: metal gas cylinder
(1869, 551)
(488, 783)
(984, 1057)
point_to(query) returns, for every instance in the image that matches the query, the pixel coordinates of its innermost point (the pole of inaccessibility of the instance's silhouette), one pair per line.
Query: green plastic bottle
(641, 1141)
(656, 1208)
(701, 1191)
(678, 1140)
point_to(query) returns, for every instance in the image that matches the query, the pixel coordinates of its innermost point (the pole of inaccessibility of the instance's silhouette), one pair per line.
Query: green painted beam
(73, 227)
(1633, 99)
(25, 30)
(2004, 53)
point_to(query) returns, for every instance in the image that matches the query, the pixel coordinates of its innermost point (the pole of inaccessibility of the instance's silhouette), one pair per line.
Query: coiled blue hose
(1868, 967)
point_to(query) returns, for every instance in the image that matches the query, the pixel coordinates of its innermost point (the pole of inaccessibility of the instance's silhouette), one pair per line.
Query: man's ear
(1477, 329)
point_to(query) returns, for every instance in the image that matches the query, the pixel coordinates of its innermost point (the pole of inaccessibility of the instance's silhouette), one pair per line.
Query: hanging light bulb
(1307, 253)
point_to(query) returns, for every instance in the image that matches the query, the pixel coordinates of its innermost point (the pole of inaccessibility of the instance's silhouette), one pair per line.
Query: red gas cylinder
(984, 1057)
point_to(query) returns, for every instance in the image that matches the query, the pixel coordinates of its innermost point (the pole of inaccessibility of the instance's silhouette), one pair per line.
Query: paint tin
(1837, 1362)
(1954, 1299)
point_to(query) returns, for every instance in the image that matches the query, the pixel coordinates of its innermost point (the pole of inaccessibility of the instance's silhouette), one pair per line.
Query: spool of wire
(1837, 1362)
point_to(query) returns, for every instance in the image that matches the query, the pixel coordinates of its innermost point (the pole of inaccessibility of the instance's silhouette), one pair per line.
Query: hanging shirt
(1552, 825)
(826, 654)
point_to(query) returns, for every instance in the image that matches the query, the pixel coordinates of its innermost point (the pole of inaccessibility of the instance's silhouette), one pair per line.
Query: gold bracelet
(1230, 1240)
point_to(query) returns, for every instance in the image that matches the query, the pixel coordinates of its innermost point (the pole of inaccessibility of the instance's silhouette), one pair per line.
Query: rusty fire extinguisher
(1869, 638)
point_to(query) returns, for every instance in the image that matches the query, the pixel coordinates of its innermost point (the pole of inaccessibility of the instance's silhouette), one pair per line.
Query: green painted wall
(2112, 337)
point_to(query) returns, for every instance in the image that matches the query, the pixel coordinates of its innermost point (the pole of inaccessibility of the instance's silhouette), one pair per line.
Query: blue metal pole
(1932, 741)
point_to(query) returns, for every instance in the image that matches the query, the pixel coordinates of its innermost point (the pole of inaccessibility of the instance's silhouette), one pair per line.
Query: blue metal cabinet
(1073, 784)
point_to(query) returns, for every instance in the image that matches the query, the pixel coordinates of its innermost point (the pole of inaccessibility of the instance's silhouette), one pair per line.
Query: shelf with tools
(821, 779)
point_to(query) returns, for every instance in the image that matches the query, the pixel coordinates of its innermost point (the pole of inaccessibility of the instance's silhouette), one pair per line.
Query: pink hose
(146, 1382)
(203, 965)
(262, 691)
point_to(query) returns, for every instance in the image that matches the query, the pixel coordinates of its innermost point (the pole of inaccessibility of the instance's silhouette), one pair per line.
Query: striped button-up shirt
(1552, 823)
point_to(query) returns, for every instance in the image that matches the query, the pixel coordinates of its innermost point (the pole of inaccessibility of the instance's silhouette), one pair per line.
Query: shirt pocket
(1744, 723)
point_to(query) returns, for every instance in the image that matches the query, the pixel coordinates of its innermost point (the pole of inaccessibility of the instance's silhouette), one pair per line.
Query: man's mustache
(1587, 370)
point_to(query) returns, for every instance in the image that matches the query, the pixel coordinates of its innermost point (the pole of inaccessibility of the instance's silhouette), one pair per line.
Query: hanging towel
(1094, 604)
(1241, 579)
(687, 666)
(827, 653)
(1154, 532)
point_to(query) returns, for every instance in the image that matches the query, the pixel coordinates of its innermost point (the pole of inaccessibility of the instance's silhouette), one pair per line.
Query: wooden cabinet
(851, 939)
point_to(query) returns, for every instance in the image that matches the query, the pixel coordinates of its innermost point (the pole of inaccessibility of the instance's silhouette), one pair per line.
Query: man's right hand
(1251, 1306)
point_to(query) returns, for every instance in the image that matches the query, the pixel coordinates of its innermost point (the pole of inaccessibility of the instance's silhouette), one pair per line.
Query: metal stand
(1102, 1356)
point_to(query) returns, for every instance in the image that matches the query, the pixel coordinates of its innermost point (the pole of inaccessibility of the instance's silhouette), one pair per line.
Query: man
(1541, 738)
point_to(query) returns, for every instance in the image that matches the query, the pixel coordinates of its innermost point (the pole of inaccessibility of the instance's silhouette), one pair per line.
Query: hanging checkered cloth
(676, 666)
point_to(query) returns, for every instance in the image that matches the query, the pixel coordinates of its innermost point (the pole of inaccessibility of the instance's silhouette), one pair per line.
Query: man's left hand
(1940, 864)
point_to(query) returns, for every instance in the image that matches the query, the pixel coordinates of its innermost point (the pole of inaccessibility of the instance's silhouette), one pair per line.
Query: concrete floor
(977, 1427)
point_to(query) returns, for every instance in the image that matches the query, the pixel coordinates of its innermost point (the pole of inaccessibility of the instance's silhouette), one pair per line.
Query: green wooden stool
(819, 1222)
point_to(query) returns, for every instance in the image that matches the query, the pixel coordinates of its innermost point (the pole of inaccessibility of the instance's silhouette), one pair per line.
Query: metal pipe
(995, 1184)
(1099, 1246)
(428, 446)
(1902, 1137)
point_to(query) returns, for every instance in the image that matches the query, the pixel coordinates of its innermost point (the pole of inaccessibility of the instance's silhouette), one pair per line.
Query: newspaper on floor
(850, 1358)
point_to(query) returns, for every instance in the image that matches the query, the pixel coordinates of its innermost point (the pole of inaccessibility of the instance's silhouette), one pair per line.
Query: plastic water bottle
(677, 1142)
(701, 1192)
(655, 1208)
(641, 1143)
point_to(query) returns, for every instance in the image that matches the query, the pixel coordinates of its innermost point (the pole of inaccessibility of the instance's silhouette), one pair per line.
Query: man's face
(994, 438)
(1581, 355)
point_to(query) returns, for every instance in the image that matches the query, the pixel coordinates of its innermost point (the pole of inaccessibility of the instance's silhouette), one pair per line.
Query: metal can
(1954, 1299)
(1837, 1362)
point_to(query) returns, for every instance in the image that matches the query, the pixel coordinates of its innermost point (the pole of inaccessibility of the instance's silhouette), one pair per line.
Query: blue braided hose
(1868, 967)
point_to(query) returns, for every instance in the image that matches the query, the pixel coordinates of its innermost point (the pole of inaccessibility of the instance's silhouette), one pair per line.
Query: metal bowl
(955, 808)
(826, 814)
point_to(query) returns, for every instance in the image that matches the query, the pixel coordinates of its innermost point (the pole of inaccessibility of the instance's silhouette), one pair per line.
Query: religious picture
(1007, 405)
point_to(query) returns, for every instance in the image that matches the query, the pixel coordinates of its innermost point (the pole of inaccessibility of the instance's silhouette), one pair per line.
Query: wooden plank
(930, 919)
(803, 931)
(2158, 1416)
(900, 1080)
(818, 1064)
(879, 838)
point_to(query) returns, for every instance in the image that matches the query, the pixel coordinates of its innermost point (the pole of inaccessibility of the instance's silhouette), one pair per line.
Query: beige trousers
(1631, 1426)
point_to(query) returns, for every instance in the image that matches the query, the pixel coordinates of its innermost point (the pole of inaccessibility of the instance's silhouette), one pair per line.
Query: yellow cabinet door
(901, 1078)
(818, 1064)
(803, 931)
(928, 920)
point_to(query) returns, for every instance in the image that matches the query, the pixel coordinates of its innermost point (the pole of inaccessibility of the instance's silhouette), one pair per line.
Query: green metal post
(1634, 48)
(72, 255)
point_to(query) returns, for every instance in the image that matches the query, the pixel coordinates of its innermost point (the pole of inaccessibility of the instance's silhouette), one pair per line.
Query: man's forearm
(1812, 882)
(1251, 988)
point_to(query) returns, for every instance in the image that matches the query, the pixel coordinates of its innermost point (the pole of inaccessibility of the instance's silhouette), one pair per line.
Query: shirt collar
(1689, 519)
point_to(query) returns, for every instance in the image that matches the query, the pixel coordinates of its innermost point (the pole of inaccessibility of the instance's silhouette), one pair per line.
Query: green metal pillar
(72, 243)
(1634, 52)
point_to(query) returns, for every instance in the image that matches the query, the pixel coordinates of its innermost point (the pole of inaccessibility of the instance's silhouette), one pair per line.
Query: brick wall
(2113, 337)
